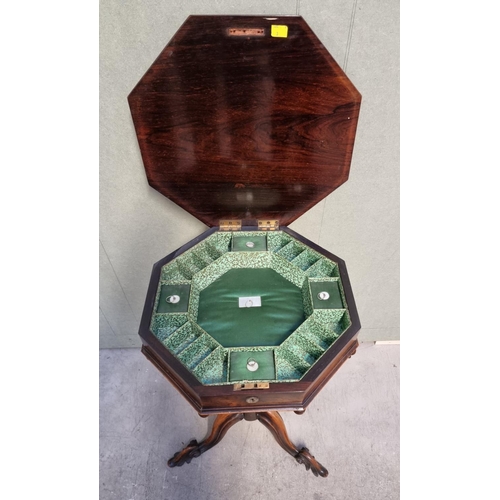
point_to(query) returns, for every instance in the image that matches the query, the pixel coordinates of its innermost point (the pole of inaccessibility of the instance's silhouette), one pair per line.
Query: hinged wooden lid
(245, 118)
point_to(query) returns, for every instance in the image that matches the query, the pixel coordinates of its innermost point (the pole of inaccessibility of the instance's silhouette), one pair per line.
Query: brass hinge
(268, 225)
(251, 385)
(230, 225)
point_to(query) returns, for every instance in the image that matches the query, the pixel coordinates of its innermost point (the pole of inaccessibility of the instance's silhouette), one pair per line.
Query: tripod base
(272, 420)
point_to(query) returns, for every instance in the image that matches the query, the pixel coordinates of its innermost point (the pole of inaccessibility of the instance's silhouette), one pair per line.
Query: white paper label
(249, 302)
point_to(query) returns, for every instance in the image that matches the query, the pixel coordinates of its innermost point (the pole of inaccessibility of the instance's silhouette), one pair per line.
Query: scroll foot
(304, 457)
(222, 424)
(273, 421)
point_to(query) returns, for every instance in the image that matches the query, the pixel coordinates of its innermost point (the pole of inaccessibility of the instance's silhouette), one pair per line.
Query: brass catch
(251, 385)
(230, 225)
(245, 31)
(268, 225)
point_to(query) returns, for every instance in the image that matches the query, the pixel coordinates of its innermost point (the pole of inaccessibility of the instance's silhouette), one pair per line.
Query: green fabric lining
(281, 313)
(238, 370)
(168, 290)
(240, 243)
(332, 288)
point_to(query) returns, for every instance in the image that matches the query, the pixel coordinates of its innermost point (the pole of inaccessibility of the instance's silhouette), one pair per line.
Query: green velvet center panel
(281, 311)
(213, 337)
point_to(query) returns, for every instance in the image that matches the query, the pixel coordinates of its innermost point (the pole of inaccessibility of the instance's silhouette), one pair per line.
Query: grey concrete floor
(352, 427)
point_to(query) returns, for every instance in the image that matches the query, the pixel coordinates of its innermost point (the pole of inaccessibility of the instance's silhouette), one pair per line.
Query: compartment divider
(291, 250)
(213, 368)
(164, 325)
(213, 251)
(292, 357)
(323, 268)
(188, 268)
(201, 260)
(305, 260)
(289, 366)
(221, 241)
(297, 259)
(182, 338)
(308, 345)
(197, 351)
(172, 273)
(302, 348)
(276, 240)
(319, 329)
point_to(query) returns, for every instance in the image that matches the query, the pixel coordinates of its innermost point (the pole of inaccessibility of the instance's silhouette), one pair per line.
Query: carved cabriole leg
(273, 421)
(222, 423)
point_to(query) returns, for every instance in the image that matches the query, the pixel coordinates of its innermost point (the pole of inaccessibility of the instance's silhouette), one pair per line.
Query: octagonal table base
(272, 420)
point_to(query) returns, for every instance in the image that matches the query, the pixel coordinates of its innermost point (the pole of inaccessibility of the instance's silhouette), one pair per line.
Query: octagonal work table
(247, 122)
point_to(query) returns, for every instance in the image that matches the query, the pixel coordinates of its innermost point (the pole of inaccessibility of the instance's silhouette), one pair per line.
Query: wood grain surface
(251, 127)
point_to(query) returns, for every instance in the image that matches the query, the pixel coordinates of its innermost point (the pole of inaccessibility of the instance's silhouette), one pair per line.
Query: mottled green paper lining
(207, 261)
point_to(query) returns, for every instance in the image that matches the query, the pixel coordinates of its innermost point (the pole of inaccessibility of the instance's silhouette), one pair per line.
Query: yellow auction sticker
(279, 31)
